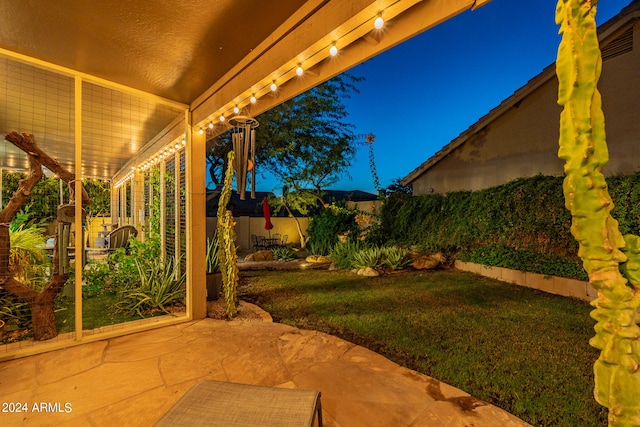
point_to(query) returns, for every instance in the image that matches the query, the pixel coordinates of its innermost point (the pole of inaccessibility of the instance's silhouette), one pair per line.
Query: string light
(378, 23)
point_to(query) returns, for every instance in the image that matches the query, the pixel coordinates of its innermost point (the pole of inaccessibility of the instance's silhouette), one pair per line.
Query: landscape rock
(317, 259)
(265, 255)
(368, 272)
(427, 262)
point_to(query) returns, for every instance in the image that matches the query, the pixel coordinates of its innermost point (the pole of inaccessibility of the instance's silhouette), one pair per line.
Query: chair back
(119, 238)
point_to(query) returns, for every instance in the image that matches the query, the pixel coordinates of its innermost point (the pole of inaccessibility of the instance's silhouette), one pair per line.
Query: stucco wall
(523, 141)
(246, 226)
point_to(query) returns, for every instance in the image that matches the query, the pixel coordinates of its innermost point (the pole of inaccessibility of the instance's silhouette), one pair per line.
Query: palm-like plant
(28, 259)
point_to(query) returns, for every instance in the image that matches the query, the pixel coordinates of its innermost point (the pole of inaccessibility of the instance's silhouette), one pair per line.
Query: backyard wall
(580, 289)
(246, 226)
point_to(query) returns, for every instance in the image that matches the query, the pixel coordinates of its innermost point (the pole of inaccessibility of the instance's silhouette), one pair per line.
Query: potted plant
(214, 276)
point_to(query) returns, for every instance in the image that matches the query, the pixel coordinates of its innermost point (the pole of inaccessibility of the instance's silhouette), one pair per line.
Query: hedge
(522, 224)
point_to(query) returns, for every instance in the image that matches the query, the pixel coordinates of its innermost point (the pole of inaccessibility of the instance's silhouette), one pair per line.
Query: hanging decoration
(243, 137)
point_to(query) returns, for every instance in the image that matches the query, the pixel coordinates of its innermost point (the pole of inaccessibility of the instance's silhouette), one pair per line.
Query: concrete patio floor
(132, 380)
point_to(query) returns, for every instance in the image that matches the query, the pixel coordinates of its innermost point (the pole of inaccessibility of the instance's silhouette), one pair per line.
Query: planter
(214, 285)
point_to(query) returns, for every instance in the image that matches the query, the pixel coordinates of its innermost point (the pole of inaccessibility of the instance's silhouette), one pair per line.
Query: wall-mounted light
(222, 119)
(299, 70)
(236, 110)
(253, 99)
(273, 87)
(333, 51)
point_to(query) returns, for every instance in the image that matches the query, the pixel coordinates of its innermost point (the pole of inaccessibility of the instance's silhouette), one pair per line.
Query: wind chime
(243, 138)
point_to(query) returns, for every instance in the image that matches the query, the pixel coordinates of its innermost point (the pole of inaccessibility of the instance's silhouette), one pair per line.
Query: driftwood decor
(41, 303)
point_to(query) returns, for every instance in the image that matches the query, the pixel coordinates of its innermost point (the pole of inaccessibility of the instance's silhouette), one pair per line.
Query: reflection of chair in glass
(119, 238)
(244, 405)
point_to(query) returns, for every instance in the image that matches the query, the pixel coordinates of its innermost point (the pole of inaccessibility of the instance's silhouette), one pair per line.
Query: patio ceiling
(160, 58)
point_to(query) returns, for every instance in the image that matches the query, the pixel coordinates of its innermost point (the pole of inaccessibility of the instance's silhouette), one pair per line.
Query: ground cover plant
(517, 348)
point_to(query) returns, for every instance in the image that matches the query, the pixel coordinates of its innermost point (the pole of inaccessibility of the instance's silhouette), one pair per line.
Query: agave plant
(396, 258)
(213, 260)
(372, 257)
(161, 284)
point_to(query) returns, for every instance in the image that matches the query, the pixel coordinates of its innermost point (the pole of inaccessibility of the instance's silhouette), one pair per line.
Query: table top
(215, 403)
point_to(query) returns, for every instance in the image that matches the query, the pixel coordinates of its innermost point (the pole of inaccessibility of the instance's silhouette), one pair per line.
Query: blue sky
(421, 94)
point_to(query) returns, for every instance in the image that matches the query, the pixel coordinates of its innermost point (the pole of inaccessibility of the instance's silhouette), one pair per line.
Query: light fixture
(178, 146)
(210, 125)
(333, 51)
(378, 23)
(184, 142)
(222, 117)
(299, 70)
(253, 99)
(274, 87)
(236, 110)
(200, 131)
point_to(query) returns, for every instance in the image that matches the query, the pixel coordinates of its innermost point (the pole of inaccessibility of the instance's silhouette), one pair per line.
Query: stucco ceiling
(175, 49)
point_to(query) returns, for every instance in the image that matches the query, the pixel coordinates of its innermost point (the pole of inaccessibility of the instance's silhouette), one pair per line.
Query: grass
(520, 349)
(96, 312)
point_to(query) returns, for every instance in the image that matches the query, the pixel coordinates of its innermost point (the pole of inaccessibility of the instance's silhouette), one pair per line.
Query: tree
(40, 302)
(397, 187)
(304, 142)
(300, 201)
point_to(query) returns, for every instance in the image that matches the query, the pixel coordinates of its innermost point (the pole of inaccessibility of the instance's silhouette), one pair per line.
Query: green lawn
(520, 349)
(96, 312)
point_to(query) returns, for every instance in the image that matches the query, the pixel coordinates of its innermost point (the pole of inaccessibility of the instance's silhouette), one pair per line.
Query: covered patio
(133, 380)
(128, 93)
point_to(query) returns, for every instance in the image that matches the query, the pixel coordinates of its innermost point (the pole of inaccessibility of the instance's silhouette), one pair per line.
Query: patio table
(215, 403)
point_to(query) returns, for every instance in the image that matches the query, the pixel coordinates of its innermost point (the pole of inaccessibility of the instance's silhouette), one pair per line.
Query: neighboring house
(519, 138)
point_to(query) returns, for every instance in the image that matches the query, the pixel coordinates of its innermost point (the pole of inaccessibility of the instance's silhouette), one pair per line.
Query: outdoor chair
(258, 242)
(285, 237)
(119, 238)
(215, 403)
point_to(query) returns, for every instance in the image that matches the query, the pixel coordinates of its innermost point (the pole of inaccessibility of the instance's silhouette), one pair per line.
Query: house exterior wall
(523, 141)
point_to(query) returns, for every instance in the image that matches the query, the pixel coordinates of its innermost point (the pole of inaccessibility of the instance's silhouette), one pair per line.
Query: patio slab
(133, 380)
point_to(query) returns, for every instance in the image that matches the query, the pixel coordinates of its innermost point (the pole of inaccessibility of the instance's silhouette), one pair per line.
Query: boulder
(368, 272)
(265, 255)
(317, 259)
(427, 262)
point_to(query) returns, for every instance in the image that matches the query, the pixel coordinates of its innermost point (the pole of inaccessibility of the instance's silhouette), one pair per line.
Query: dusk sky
(423, 93)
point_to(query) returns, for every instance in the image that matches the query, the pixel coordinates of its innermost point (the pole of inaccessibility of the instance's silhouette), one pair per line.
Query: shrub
(283, 253)
(161, 284)
(372, 257)
(396, 258)
(343, 253)
(324, 227)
